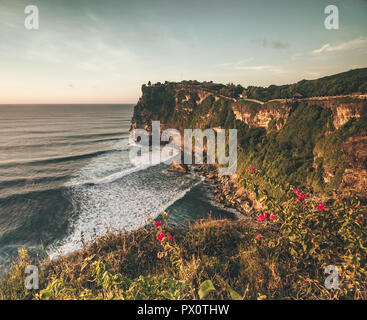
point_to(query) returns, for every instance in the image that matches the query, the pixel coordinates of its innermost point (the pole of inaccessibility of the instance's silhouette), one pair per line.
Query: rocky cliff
(320, 142)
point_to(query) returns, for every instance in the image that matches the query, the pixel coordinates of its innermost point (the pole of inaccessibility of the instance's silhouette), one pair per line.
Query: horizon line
(72, 103)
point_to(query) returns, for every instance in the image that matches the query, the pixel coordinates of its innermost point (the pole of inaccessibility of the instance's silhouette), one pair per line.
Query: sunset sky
(89, 51)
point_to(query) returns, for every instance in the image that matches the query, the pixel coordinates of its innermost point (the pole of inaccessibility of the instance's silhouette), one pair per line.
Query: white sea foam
(112, 213)
(121, 200)
(109, 167)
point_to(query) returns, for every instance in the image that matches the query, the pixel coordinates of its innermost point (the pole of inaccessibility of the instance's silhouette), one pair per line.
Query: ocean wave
(35, 181)
(43, 161)
(92, 135)
(123, 205)
(23, 147)
(111, 167)
(111, 193)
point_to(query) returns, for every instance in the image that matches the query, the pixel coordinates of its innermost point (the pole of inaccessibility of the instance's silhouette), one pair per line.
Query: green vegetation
(353, 81)
(286, 155)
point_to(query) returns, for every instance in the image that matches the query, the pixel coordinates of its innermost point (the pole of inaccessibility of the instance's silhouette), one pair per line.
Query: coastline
(227, 191)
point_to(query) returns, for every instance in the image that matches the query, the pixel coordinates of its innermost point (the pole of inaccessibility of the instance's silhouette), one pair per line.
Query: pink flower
(320, 207)
(160, 237)
(158, 224)
(266, 216)
(169, 237)
(359, 220)
(300, 196)
(247, 168)
(258, 236)
(252, 169)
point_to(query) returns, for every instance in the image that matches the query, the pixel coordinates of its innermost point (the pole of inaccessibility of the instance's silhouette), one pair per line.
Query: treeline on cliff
(353, 81)
(350, 82)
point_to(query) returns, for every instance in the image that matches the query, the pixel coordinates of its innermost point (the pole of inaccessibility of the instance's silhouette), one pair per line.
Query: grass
(220, 250)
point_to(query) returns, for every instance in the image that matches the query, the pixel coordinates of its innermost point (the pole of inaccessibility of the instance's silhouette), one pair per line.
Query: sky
(102, 51)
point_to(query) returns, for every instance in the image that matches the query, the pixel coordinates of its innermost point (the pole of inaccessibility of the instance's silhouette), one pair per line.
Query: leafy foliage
(353, 81)
(205, 288)
(316, 235)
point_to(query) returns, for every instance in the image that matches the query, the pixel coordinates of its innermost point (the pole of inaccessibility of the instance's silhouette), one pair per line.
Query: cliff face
(355, 149)
(270, 114)
(276, 112)
(297, 131)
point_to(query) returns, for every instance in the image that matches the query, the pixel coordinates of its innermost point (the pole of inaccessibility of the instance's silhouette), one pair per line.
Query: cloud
(267, 68)
(298, 55)
(353, 44)
(275, 44)
(94, 54)
(313, 74)
(241, 65)
(92, 16)
(150, 34)
(279, 45)
(234, 65)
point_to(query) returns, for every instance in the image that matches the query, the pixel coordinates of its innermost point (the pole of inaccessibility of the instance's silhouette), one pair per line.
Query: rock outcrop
(355, 177)
(179, 167)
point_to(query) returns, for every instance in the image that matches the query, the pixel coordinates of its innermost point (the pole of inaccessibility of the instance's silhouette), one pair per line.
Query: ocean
(65, 176)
